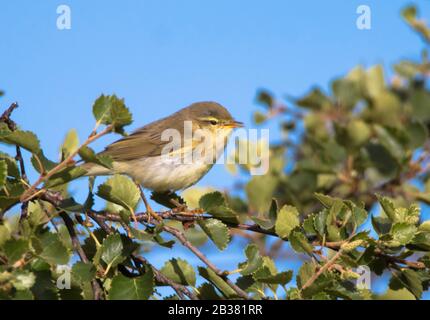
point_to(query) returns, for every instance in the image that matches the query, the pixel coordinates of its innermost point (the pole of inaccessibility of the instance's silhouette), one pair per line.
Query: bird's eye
(213, 122)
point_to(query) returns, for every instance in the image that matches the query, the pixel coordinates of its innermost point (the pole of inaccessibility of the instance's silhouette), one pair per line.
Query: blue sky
(163, 55)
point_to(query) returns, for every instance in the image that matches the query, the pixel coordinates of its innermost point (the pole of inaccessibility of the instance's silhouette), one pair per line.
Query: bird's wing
(144, 142)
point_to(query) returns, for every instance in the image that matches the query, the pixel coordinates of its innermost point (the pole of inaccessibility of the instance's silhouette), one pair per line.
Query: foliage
(346, 185)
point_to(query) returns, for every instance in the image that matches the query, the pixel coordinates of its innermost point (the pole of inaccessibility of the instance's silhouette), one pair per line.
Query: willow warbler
(172, 153)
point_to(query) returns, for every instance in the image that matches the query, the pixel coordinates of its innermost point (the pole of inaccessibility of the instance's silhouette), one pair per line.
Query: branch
(327, 265)
(181, 237)
(179, 289)
(97, 290)
(30, 193)
(5, 117)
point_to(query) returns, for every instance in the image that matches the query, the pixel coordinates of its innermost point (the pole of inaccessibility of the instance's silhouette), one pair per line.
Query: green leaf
(214, 204)
(112, 110)
(70, 144)
(53, 250)
(374, 84)
(111, 250)
(420, 242)
(12, 168)
(15, 249)
(216, 231)
(326, 201)
(420, 100)
(41, 163)
(382, 159)
(64, 176)
(268, 221)
(346, 91)
(24, 139)
(3, 173)
(259, 191)
(120, 190)
(403, 232)
(281, 278)
(408, 279)
(180, 271)
(138, 288)
(218, 282)
(299, 242)
(388, 207)
(207, 292)
(288, 219)
(254, 260)
(306, 271)
(88, 155)
(315, 99)
(320, 222)
(265, 98)
(83, 272)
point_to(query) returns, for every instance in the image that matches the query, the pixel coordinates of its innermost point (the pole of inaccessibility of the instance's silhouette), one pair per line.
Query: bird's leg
(149, 210)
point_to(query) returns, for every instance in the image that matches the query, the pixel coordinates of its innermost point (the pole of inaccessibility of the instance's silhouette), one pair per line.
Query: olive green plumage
(139, 154)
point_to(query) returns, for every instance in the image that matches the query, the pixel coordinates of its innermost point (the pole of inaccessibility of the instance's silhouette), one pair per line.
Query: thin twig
(179, 289)
(30, 192)
(97, 290)
(181, 237)
(326, 266)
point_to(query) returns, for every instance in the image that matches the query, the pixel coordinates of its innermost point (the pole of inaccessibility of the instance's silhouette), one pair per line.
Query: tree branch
(181, 237)
(97, 290)
(30, 192)
(179, 289)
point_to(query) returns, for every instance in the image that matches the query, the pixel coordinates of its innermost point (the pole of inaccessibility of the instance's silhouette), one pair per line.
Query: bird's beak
(233, 124)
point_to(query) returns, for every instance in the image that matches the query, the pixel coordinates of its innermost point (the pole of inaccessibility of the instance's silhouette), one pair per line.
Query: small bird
(140, 155)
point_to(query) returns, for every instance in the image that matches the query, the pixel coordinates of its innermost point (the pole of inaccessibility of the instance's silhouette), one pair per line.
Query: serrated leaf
(25, 139)
(12, 168)
(254, 260)
(403, 232)
(217, 231)
(112, 110)
(15, 249)
(299, 242)
(326, 201)
(111, 250)
(180, 271)
(83, 272)
(288, 219)
(138, 288)
(120, 190)
(207, 292)
(388, 208)
(53, 250)
(214, 204)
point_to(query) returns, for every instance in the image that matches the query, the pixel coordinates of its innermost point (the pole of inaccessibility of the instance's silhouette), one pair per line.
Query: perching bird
(141, 155)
